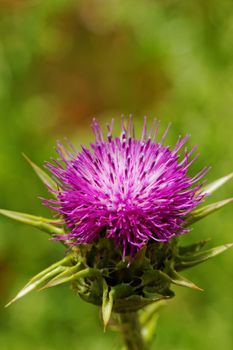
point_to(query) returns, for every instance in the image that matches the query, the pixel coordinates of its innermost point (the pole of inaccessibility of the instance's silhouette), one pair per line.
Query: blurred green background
(63, 62)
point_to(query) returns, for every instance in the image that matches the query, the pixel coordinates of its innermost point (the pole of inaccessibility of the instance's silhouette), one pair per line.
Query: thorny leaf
(63, 277)
(43, 224)
(186, 261)
(213, 186)
(29, 287)
(44, 177)
(200, 213)
(107, 304)
(181, 281)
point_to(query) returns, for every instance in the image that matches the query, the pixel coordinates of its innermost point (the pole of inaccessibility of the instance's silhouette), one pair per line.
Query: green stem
(131, 331)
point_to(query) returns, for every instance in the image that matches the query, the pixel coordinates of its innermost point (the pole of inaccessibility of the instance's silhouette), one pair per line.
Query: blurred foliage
(62, 62)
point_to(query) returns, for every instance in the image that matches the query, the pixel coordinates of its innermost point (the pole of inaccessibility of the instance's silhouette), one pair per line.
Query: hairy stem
(131, 331)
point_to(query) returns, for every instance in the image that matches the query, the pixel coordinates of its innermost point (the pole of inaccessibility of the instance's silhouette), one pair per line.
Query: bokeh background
(63, 62)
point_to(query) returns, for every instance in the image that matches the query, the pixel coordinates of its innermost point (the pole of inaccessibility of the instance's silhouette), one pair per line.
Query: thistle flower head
(127, 189)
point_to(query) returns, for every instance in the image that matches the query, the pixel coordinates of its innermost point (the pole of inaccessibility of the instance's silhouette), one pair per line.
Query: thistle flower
(122, 195)
(127, 189)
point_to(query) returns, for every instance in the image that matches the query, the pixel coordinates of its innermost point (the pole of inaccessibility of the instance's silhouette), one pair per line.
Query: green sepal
(152, 293)
(155, 277)
(161, 280)
(215, 185)
(107, 304)
(200, 213)
(39, 222)
(44, 177)
(137, 302)
(186, 261)
(122, 290)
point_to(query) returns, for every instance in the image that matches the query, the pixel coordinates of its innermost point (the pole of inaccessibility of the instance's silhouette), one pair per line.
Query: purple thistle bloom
(130, 190)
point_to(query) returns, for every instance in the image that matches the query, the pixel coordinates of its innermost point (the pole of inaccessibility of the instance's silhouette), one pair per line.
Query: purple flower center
(130, 190)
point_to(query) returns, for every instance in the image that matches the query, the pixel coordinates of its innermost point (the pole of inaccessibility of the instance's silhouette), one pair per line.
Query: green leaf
(184, 262)
(33, 285)
(149, 331)
(107, 304)
(213, 186)
(148, 320)
(44, 177)
(150, 310)
(200, 213)
(35, 221)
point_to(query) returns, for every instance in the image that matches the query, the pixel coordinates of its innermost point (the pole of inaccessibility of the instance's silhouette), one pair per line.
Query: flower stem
(131, 331)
